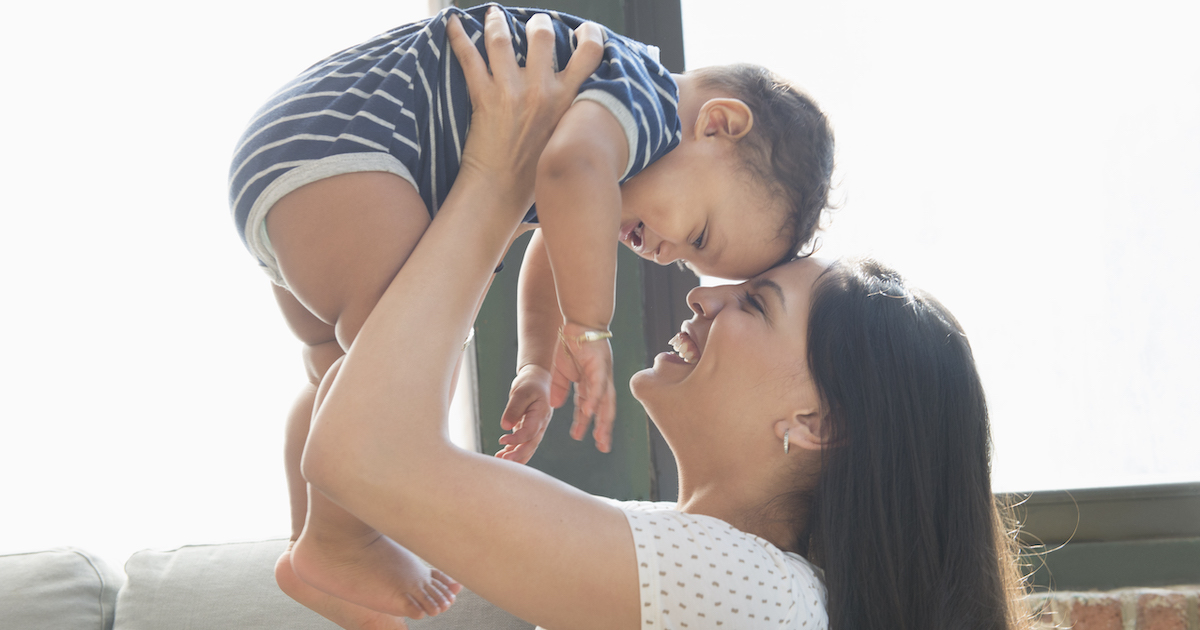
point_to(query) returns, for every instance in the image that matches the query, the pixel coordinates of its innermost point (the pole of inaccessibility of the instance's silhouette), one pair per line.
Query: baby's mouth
(685, 347)
(633, 236)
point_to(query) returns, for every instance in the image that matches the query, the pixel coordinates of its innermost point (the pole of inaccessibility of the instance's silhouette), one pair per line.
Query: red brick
(1162, 610)
(1039, 609)
(1099, 611)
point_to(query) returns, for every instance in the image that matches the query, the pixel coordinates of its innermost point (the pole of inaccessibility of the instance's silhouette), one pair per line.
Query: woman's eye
(755, 302)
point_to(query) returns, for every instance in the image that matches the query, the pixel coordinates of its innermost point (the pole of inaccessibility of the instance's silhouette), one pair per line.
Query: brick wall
(1127, 609)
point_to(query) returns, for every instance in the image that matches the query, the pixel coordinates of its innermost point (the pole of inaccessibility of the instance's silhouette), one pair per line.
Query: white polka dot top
(697, 571)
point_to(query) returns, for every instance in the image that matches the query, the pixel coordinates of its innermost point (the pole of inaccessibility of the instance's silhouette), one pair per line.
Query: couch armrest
(63, 588)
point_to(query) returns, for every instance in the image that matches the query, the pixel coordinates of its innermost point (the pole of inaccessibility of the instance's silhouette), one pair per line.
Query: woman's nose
(707, 301)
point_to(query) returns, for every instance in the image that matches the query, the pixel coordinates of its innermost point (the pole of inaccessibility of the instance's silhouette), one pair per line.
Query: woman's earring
(785, 441)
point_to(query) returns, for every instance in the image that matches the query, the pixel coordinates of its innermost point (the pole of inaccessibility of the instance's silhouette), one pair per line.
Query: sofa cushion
(233, 586)
(66, 589)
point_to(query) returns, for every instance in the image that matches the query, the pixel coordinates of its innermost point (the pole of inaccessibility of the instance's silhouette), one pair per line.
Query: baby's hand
(589, 364)
(527, 414)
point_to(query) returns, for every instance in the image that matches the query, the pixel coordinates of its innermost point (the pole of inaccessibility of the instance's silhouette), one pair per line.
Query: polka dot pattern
(697, 571)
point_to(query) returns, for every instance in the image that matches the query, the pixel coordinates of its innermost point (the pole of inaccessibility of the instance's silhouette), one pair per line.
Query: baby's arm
(579, 208)
(537, 389)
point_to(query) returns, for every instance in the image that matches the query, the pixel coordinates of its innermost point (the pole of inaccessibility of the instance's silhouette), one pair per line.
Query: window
(1035, 167)
(147, 372)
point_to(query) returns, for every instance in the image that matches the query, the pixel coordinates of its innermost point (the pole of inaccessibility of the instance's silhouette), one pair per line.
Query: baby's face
(703, 209)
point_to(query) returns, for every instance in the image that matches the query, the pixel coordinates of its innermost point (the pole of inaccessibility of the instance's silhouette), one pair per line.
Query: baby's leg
(339, 243)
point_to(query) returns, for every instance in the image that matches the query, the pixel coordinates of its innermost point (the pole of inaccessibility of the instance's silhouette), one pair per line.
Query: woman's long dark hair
(903, 519)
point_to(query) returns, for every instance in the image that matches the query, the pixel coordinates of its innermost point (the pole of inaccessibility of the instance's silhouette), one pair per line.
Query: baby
(725, 169)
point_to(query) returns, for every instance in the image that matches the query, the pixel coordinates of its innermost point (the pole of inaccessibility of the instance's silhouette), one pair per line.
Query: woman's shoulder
(662, 521)
(693, 565)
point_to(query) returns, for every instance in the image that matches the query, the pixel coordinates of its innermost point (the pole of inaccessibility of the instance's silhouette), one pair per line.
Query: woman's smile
(685, 346)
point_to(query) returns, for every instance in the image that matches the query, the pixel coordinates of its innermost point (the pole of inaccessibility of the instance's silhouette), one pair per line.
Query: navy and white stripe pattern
(399, 103)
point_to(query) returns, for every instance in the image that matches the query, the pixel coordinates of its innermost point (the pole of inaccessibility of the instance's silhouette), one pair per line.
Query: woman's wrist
(495, 200)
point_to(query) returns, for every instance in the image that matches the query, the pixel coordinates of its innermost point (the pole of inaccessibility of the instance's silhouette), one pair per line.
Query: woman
(814, 411)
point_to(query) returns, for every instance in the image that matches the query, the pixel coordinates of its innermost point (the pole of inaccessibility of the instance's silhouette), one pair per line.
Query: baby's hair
(790, 147)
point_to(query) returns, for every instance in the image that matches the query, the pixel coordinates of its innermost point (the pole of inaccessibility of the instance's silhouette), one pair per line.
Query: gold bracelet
(591, 335)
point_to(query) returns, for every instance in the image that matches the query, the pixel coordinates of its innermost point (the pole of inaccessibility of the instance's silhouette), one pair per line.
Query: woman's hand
(514, 109)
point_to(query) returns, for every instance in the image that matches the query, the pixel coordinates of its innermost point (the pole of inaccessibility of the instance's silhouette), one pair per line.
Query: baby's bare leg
(339, 243)
(321, 350)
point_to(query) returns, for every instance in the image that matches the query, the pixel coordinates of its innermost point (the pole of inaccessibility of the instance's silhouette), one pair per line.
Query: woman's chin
(668, 368)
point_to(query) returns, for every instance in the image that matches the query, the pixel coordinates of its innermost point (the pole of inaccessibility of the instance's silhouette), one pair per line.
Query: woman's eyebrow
(770, 284)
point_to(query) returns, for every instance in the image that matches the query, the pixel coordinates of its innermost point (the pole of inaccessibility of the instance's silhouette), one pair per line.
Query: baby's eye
(699, 242)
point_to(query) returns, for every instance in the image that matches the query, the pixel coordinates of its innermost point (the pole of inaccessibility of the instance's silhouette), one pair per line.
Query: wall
(1127, 609)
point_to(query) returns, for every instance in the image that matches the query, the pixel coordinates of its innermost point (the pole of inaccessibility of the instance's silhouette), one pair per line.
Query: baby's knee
(319, 357)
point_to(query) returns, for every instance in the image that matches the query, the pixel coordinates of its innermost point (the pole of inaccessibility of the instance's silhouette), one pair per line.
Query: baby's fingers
(518, 405)
(600, 406)
(583, 416)
(520, 445)
(519, 453)
(560, 387)
(529, 429)
(606, 413)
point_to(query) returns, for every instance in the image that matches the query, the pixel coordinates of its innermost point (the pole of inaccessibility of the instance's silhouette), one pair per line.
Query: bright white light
(148, 371)
(1037, 167)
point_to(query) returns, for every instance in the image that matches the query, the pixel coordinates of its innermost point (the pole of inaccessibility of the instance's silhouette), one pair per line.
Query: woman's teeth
(684, 347)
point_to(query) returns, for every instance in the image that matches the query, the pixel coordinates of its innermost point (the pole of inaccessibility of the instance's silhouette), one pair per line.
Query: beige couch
(201, 587)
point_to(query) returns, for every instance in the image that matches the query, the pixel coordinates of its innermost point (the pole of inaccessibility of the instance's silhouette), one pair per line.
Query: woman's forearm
(379, 448)
(379, 445)
(412, 340)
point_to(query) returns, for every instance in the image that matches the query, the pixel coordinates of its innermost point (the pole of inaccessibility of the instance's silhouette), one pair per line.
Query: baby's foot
(374, 572)
(343, 613)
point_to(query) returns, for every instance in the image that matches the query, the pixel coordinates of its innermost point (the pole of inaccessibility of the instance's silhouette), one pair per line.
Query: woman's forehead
(797, 275)
(788, 290)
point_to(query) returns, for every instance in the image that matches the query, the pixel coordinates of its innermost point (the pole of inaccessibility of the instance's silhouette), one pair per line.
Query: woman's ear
(724, 117)
(806, 430)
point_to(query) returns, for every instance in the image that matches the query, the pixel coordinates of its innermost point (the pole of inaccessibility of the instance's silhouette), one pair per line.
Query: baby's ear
(729, 117)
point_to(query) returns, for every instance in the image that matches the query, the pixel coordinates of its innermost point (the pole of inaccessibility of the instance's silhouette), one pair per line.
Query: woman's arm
(379, 447)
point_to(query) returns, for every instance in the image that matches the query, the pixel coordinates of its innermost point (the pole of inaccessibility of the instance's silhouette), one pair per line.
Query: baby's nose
(667, 253)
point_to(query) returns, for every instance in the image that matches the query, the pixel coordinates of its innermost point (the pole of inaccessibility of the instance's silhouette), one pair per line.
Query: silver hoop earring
(785, 441)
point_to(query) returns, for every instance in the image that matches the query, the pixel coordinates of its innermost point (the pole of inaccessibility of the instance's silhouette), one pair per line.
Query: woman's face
(743, 356)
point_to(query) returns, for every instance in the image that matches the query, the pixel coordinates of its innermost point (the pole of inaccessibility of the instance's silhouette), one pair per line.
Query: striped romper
(398, 103)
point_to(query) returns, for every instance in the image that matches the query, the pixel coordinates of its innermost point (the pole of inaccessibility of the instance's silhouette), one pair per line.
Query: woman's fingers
(474, 68)
(497, 38)
(514, 111)
(540, 55)
(539, 35)
(589, 49)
